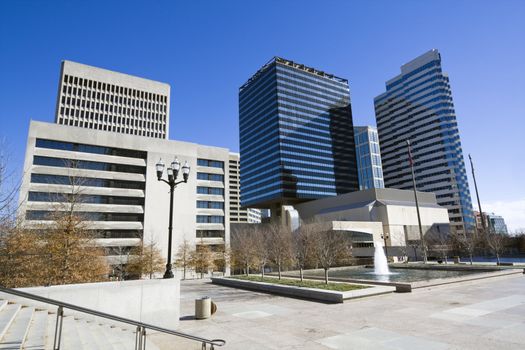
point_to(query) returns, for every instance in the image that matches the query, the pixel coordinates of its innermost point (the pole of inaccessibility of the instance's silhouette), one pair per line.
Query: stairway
(30, 328)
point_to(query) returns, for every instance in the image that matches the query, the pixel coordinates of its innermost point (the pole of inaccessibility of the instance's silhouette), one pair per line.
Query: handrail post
(138, 338)
(58, 328)
(144, 338)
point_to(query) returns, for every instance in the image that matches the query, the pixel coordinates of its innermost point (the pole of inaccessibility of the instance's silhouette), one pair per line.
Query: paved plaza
(484, 314)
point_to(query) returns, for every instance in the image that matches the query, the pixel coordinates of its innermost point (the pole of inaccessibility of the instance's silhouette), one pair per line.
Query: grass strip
(339, 287)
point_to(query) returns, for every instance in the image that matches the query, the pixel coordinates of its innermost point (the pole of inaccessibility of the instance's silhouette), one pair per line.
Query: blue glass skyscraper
(368, 155)
(296, 135)
(417, 105)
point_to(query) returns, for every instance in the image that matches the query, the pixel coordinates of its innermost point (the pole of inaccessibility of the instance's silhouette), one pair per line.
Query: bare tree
(330, 247)
(145, 259)
(303, 244)
(74, 256)
(183, 257)
(440, 242)
(9, 186)
(242, 243)
(202, 259)
(21, 258)
(496, 243)
(280, 245)
(223, 258)
(467, 242)
(261, 246)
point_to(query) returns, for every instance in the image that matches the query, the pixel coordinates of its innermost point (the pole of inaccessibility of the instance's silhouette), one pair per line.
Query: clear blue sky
(206, 49)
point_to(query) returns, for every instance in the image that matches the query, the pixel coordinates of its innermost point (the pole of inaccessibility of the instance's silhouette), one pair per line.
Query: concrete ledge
(405, 287)
(329, 296)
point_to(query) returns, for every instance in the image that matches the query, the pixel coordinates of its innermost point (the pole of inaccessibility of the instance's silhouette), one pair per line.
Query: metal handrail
(140, 325)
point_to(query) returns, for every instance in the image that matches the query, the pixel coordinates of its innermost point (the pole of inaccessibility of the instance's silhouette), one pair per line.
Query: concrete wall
(155, 302)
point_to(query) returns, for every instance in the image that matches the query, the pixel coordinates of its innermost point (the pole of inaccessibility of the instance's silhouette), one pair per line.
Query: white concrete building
(237, 213)
(101, 99)
(381, 215)
(122, 198)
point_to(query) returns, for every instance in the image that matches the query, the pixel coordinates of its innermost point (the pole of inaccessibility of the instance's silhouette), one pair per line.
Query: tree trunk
(470, 257)
(262, 272)
(497, 258)
(301, 273)
(247, 269)
(326, 276)
(279, 268)
(184, 272)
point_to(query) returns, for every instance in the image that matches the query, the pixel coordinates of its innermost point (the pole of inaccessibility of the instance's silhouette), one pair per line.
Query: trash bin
(202, 308)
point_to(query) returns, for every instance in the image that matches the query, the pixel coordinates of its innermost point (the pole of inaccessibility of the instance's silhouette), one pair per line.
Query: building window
(210, 163)
(210, 177)
(210, 219)
(210, 190)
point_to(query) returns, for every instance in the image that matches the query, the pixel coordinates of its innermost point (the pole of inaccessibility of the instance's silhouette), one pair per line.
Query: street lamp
(385, 237)
(173, 172)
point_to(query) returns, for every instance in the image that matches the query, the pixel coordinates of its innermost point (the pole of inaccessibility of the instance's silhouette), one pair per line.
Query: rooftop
(292, 64)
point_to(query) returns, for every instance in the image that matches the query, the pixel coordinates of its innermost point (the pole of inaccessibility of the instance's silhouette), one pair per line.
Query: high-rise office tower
(368, 155)
(100, 99)
(417, 105)
(296, 136)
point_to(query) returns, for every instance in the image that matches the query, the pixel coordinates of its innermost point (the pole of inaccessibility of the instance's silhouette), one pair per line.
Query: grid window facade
(296, 135)
(238, 213)
(93, 104)
(83, 185)
(417, 105)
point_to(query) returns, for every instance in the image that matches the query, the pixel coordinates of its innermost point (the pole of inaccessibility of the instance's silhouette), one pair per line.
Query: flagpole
(423, 245)
(477, 195)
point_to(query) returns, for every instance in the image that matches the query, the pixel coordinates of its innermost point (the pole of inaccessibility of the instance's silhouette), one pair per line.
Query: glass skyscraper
(368, 155)
(296, 135)
(417, 105)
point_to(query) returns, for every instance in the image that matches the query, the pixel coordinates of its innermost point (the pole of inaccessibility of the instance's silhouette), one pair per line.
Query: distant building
(237, 213)
(497, 223)
(418, 106)
(368, 157)
(296, 136)
(100, 99)
(478, 218)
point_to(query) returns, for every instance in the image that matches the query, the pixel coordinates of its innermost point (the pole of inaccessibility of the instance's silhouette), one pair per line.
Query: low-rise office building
(375, 216)
(121, 198)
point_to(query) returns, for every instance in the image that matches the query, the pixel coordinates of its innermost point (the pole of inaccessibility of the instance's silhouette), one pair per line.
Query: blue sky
(206, 49)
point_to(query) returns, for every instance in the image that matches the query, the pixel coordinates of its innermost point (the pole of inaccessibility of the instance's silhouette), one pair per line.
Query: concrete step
(100, 341)
(17, 332)
(50, 332)
(90, 337)
(7, 316)
(70, 336)
(36, 337)
(119, 339)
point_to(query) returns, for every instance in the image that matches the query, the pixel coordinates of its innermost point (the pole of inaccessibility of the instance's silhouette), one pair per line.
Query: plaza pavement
(484, 314)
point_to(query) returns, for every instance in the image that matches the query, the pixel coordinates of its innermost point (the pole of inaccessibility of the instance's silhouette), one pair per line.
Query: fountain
(380, 262)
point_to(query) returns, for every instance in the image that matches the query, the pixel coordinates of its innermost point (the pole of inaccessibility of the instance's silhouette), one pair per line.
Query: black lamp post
(385, 237)
(173, 172)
